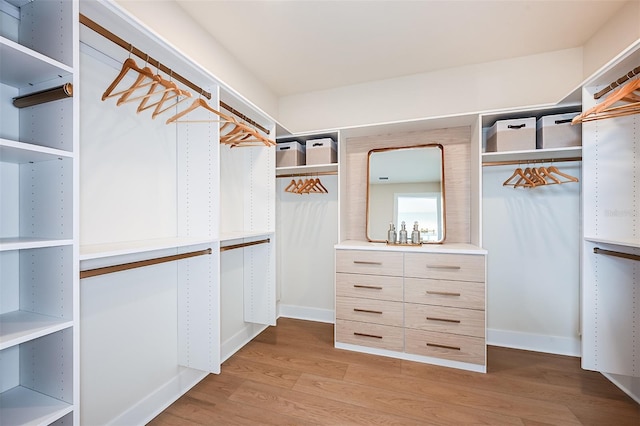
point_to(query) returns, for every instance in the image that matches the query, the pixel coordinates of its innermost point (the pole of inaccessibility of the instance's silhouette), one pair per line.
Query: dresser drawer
(369, 262)
(369, 286)
(370, 335)
(459, 294)
(370, 310)
(456, 267)
(444, 319)
(447, 346)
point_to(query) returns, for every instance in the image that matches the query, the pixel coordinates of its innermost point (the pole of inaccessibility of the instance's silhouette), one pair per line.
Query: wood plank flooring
(292, 375)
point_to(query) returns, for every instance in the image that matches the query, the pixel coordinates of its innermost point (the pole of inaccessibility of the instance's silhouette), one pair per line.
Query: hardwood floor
(292, 375)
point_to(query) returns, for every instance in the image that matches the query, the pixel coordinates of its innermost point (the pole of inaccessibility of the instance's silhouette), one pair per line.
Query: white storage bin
(556, 131)
(289, 154)
(321, 151)
(512, 135)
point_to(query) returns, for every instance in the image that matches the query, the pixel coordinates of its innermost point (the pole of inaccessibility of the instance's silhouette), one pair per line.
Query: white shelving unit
(150, 194)
(247, 215)
(38, 226)
(611, 231)
(152, 191)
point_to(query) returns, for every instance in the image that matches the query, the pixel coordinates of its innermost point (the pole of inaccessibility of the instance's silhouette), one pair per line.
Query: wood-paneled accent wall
(456, 142)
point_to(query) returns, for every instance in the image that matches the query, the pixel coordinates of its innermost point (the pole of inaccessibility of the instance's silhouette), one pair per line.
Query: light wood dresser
(425, 304)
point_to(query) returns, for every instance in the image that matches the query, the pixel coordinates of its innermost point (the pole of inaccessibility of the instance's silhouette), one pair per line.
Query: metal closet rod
(244, 117)
(140, 54)
(242, 245)
(87, 22)
(617, 83)
(132, 265)
(541, 160)
(43, 96)
(598, 250)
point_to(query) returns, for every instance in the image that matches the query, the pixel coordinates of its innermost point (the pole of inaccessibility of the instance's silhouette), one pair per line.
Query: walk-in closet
(170, 215)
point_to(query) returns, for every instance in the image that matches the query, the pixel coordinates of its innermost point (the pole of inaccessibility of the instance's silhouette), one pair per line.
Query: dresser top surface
(456, 248)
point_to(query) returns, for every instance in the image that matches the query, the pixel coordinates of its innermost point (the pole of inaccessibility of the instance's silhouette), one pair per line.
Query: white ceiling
(299, 46)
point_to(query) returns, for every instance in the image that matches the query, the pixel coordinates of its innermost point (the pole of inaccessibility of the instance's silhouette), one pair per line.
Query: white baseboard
(157, 401)
(309, 314)
(238, 340)
(411, 357)
(535, 342)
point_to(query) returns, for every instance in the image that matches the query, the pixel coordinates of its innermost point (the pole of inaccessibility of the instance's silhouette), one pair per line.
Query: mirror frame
(442, 187)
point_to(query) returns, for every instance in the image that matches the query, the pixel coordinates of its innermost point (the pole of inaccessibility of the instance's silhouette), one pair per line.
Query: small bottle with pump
(391, 234)
(403, 233)
(415, 234)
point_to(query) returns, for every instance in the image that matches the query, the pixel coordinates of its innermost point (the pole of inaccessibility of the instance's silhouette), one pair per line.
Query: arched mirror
(406, 184)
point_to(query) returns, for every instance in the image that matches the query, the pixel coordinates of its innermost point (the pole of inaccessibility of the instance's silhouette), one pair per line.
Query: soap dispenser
(391, 234)
(415, 234)
(403, 233)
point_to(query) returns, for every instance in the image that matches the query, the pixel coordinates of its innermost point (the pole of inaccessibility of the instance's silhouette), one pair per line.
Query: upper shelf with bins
(313, 168)
(532, 154)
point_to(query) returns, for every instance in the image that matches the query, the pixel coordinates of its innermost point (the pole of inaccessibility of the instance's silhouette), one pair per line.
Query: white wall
(515, 82)
(307, 229)
(170, 22)
(619, 32)
(530, 80)
(533, 274)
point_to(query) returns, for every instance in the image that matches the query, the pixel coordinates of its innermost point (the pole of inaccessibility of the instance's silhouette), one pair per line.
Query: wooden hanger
(170, 91)
(291, 187)
(308, 186)
(311, 185)
(244, 135)
(546, 174)
(186, 95)
(520, 174)
(537, 177)
(554, 169)
(146, 78)
(322, 187)
(197, 103)
(606, 108)
(143, 74)
(127, 65)
(527, 180)
(237, 133)
(240, 135)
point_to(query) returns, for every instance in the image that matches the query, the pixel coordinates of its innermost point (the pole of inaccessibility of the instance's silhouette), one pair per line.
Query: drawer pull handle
(366, 262)
(443, 320)
(443, 293)
(443, 267)
(367, 335)
(367, 311)
(372, 287)
(435, 345)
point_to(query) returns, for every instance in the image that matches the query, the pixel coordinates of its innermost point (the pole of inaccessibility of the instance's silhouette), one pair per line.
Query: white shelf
(230, 236)
(18, 243)
(22, 67)
(21, 326)
(20, 152)
(97, 251)
(533, 154)
(319, 168)
(635, 244)
(22, 406)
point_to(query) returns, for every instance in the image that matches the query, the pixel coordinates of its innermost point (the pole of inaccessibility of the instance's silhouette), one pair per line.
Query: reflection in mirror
(406, 185)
